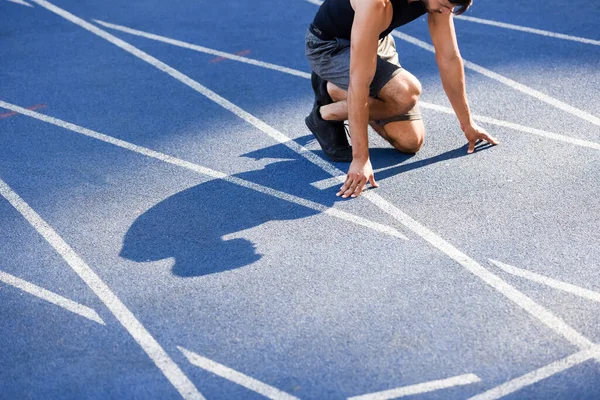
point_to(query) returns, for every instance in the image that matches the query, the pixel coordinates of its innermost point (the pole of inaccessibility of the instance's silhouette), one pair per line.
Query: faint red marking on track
(12, 113)
(239, 53)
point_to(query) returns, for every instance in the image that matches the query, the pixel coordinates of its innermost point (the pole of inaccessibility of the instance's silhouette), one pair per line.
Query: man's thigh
(331, 61)
(400, 85)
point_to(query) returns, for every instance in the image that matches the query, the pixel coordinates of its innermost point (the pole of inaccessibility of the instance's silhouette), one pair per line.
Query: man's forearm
(453, 79)
(358, 120)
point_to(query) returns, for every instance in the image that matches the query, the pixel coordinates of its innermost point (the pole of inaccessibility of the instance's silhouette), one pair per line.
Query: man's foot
(319, 86)
(331, 135)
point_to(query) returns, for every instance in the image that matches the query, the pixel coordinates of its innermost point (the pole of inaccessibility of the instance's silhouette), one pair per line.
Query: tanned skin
(371, 18)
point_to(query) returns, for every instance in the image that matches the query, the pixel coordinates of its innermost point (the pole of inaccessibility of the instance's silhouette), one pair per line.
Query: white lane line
(526, 29)
(556, 284)
(420, 388)
(162, 360)
(51, 297)
(539, 374)
(329, 182)
(385, 229)
(324, 185)
(530, 306)
(203, 49)
(509, 82)
(21, 2)
(234, 376)
(517, 127)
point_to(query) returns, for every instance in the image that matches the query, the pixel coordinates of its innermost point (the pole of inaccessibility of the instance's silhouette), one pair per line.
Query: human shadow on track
(190, 226)
(398, 169)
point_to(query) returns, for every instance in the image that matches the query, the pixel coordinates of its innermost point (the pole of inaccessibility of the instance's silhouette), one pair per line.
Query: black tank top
(335, 17)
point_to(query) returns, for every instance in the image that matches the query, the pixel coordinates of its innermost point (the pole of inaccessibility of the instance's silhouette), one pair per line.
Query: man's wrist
(359, 154)
(467, 124)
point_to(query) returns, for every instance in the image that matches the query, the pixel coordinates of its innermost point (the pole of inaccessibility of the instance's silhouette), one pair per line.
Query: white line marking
(21, 2)
(51, 297)
(203, 49)
(539, 132)
(509, 82)
(539, 374)
(528, 30)
(234, 376)
(536, 310)
(517, 127)
(556, 284)
(420, 388)
(329, 182)
(209, 172)
(162, 360)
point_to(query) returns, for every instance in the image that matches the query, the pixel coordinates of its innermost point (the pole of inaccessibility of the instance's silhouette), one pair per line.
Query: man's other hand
(474, 133)
(359, 173)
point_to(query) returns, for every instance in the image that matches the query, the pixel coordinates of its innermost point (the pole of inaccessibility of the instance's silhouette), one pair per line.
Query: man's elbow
(445, 61)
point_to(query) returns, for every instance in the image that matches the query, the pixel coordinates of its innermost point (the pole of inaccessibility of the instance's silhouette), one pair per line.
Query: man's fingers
(489, 139)
(471, 146)
(346, 185)
(349, 186)
(359, 188)
(372, 180)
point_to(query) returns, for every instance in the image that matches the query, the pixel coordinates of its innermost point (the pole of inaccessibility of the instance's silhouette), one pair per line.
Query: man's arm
(369, 22)
(447, 55)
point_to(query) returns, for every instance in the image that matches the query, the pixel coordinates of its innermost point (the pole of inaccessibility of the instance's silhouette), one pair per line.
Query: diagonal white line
(162, 360)
(447, 110)
(534, 309)
(333, 212)
(528, 30)
(539, 374)
(51, 297)
(420, 388)
(21, 2)
(517, 127)
(234, 376)
(556, 284)
(203, 49)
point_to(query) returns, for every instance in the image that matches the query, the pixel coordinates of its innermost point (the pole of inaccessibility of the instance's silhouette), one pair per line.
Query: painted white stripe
(539, 374)
(536, 310)
(556, 284)
(162, 360)
(21, 2)
(526, 29)
(51, 297)
(203, 49)
(329, 183)
(420, 388)
(517, 127)
(509, 82)
(234, 376)
(355, 219)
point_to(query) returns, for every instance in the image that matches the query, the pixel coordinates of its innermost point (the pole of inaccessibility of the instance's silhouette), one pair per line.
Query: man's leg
(392, 113)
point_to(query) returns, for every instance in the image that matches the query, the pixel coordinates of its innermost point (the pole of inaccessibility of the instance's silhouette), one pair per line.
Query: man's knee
(402, 92)
(407, 138)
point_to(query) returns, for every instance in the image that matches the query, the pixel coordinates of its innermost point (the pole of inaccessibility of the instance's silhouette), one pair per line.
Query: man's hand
(358, 174)
(474, 133)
